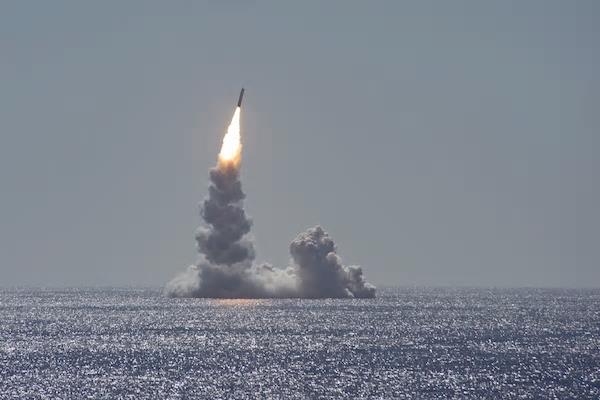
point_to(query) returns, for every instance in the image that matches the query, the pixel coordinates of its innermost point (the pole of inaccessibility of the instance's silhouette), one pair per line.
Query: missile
(240, 99)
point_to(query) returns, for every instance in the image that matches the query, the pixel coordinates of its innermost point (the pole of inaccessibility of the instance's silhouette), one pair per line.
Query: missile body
(240, 99)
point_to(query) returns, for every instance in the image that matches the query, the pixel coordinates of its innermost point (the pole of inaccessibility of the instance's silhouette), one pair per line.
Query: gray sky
(439, 143)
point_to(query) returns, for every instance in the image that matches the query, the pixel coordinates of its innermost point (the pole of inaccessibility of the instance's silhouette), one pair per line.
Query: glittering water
(426, 343)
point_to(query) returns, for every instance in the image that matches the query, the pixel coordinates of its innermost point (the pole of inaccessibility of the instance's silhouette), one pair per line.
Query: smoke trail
(225, 266)
(223, 241)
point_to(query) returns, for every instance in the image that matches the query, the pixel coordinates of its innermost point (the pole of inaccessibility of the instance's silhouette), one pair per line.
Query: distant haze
(439, 143)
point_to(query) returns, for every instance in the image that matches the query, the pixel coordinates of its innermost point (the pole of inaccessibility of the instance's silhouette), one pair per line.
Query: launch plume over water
(225, 267)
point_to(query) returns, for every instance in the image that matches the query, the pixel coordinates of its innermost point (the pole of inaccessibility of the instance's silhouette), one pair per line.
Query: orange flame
(231, 149)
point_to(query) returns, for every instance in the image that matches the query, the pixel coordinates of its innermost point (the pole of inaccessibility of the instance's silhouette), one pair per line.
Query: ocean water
(406, 343)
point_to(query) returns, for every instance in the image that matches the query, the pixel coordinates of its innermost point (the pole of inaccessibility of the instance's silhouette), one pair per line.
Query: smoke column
(225, 267)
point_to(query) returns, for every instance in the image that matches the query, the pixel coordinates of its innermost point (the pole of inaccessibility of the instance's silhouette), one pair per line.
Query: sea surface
(407, 343)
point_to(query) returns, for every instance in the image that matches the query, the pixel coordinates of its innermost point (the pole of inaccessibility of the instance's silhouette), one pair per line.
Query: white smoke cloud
(319, 271)
(316, 272)
(225, 268)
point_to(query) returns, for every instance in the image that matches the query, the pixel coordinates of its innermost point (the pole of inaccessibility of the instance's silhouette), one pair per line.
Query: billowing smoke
(319, 272)
(226, 269)
(223, 241)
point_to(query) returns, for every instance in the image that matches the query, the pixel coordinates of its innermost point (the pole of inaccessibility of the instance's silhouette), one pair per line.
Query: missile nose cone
(239, 103)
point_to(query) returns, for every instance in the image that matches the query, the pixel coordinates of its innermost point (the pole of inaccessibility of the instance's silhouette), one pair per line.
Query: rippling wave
(408, 342)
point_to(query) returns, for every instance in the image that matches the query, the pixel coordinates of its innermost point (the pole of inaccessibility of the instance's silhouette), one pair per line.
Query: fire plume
(230, 155)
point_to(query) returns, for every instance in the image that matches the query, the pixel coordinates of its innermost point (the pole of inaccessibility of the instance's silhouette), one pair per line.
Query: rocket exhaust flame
(226, 269)
(231, 149)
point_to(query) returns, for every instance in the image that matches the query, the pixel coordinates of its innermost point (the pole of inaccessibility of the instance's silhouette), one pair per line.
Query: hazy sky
(439, 143)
